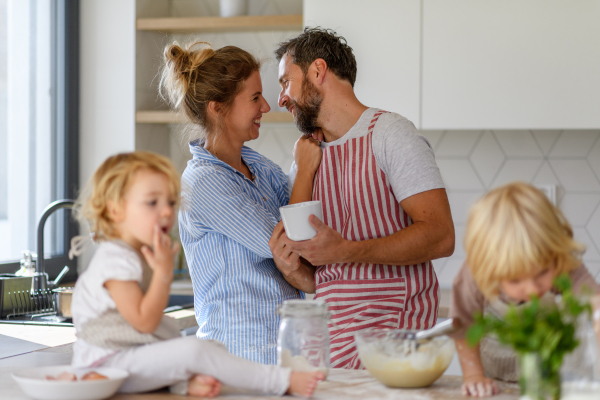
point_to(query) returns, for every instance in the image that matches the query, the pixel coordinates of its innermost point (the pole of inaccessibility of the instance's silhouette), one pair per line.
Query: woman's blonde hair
(110, 183)
(514, 232)
(195, 75)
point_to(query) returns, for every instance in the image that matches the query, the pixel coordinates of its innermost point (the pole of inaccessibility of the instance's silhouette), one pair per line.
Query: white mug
(295, 219)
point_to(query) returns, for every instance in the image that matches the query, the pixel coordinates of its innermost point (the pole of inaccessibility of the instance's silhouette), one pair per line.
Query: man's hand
(327, 247)
(479, 386)
(286, 260)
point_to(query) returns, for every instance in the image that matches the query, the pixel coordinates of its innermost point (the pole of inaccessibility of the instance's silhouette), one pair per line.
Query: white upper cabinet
(385, 38)
(510, 64)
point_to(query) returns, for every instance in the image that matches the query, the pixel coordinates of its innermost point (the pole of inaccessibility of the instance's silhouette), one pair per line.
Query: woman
(231, 197)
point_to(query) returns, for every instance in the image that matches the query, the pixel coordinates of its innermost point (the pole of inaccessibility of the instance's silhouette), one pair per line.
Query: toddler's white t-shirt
(113, 260)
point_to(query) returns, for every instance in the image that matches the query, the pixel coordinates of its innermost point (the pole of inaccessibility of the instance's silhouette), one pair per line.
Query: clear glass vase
(536, 381)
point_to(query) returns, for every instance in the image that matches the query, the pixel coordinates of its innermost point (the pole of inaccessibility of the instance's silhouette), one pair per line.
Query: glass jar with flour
(303, 341)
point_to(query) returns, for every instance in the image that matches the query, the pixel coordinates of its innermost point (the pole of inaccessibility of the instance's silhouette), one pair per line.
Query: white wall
(107, 86)
(107, 92)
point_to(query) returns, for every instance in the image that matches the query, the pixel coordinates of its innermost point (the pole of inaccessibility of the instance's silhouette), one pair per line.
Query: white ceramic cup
(295, 219)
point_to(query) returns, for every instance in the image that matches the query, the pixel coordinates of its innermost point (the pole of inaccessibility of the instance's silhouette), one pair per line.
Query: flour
(299, 363)
(410, 366)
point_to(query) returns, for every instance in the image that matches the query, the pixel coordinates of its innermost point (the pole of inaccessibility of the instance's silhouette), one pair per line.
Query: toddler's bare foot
(304, 383)
(203, 386)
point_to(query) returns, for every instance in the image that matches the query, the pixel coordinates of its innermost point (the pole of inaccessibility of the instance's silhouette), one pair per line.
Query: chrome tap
(40, 278)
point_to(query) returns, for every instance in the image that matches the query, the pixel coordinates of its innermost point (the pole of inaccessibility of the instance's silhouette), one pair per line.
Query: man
(385, 210)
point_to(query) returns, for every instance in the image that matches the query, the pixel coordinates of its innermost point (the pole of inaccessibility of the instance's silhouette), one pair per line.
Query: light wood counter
(340, 384)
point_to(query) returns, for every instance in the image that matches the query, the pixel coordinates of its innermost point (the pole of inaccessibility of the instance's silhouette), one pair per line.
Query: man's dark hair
(322, 43)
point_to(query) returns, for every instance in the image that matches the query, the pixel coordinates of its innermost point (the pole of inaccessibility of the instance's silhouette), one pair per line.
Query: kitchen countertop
(28, 346)
(340, 384)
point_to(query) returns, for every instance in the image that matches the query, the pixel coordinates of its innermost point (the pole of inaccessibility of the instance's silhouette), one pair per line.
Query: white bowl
(397, 361)
(34, 383)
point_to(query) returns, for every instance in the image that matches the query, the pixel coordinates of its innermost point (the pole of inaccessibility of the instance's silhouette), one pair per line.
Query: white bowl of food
(396, 360)
(63, 382)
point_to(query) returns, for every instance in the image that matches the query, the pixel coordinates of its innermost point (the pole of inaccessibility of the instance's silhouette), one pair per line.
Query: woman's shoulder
(252, 156)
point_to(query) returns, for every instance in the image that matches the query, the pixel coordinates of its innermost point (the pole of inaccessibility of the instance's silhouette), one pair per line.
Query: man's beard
(307, 108)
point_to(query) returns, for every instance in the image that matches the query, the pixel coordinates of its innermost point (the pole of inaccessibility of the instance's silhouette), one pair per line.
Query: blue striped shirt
(225, 223)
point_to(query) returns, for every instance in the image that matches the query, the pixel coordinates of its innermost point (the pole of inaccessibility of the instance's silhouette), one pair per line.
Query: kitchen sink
(176, 302)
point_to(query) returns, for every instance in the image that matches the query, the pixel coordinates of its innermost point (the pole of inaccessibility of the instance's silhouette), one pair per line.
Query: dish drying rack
(31, 303)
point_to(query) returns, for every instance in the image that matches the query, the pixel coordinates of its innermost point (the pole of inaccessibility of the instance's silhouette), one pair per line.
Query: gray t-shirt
(405, 157)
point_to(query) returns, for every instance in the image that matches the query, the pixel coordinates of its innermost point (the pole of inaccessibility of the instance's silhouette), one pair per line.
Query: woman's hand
(307, 154)
(479, 386)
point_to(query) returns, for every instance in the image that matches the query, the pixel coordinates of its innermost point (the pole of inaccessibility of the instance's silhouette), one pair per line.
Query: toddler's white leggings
(173, 362)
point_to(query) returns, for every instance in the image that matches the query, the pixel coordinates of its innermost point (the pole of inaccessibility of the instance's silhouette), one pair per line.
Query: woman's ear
(214, 110)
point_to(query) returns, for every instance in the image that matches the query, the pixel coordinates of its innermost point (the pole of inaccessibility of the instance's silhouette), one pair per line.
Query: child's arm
(475, 383)
(144, 311)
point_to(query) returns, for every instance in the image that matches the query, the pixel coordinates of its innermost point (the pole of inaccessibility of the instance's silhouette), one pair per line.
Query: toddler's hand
(479, 386)
(160, 258)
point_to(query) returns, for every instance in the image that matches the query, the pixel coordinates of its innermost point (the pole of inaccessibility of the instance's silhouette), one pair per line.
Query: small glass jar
(303, 341)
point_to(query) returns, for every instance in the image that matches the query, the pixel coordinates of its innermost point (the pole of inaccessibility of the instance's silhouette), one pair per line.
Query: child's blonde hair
(110, 183)
(513, 232)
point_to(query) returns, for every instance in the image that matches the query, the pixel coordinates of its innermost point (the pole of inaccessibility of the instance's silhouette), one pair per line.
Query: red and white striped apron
(358, 203)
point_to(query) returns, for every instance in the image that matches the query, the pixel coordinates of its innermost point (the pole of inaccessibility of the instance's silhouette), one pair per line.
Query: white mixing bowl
(34, 383)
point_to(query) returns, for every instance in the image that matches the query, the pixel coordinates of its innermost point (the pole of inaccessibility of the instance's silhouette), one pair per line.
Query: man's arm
(430, 236)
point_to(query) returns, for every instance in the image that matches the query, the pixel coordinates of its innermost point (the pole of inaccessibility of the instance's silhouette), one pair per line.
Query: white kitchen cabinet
(510, 64)
(384, 35)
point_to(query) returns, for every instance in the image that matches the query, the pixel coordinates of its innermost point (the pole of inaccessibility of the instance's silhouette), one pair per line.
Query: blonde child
(516, 243)
(119, 300)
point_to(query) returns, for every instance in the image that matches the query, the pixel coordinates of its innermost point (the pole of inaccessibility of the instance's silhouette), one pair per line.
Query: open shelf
(170, 117)
(219, 24)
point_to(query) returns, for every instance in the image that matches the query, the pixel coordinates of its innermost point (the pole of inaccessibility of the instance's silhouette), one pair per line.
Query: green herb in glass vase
(541, 335)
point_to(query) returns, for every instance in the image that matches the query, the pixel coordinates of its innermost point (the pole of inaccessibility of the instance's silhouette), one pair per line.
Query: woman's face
(243, 119)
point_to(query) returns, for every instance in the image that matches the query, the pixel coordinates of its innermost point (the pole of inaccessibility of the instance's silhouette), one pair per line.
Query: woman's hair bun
(186, 60)
(180, 63)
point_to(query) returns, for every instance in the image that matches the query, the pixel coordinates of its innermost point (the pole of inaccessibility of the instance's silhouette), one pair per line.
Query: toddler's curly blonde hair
(110, 183)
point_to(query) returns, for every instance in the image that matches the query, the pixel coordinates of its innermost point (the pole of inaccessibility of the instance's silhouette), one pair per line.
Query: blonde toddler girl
(119, 300)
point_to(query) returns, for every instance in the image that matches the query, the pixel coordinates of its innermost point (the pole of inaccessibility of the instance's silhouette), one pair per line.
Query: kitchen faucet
(39, 281)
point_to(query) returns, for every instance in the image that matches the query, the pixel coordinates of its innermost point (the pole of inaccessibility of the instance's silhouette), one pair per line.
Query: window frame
(65, 131)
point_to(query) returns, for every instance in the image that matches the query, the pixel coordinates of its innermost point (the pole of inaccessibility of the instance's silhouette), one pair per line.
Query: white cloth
(113, 260)
(405, 157)
(173, 362)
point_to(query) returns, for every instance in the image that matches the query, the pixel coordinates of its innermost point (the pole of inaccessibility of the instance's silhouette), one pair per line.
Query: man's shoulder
(391, 123)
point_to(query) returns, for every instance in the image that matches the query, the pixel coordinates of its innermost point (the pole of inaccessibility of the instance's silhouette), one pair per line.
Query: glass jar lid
(303, 308)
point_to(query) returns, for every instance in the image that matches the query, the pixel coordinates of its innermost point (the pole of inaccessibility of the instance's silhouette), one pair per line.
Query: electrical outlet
(549, 190)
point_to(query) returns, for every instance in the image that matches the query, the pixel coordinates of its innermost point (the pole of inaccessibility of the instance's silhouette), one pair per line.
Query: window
(38, 126)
